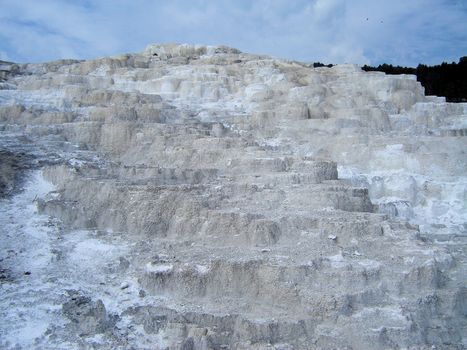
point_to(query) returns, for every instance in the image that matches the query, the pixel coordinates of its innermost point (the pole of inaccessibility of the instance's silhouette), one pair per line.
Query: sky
(402, 32)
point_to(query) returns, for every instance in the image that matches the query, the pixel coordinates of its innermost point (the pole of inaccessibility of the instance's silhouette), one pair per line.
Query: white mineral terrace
(193, 197)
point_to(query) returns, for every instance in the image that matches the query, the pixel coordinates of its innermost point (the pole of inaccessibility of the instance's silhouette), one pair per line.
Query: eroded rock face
(86, 316)
(214, 199)
(12, 166)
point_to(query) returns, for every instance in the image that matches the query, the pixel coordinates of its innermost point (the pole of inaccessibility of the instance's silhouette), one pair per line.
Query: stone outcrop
(268, 204)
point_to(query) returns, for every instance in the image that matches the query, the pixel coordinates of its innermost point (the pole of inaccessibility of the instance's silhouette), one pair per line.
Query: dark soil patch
(12, 170)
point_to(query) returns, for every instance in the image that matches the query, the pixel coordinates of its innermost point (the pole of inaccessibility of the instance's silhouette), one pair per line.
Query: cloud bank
(334, 31)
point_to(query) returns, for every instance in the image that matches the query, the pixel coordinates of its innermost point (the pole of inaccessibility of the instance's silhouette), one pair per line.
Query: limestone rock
(86, 316)
(217, 199)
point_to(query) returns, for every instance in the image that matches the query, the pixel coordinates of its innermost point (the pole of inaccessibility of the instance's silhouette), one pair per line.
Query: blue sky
(405, 32)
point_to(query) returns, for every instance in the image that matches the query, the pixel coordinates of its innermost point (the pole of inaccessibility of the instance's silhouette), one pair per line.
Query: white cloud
(360, 31)
(4, 56)
(53, 29)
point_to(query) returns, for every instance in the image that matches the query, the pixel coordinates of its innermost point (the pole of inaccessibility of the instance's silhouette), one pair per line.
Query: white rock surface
(205, 198)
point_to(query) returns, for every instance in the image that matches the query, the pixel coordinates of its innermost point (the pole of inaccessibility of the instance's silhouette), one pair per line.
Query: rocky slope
(192, 197)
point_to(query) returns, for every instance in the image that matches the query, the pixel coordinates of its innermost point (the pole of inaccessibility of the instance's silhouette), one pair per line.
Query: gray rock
(87, 316)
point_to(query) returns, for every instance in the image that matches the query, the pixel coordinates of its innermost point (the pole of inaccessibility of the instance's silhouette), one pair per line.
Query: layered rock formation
(205, 199)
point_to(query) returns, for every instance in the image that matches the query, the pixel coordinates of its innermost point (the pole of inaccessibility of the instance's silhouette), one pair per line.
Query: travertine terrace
(193, 197)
